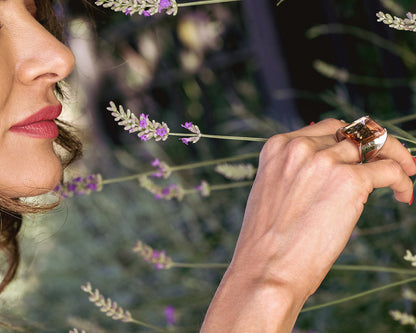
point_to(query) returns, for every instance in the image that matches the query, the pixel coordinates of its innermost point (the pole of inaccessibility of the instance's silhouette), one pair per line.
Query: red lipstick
(41, 124)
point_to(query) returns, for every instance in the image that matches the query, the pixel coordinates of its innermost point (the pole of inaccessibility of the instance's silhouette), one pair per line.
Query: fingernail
(411, 201)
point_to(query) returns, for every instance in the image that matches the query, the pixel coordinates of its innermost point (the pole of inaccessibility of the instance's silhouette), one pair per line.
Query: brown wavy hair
(12, 210)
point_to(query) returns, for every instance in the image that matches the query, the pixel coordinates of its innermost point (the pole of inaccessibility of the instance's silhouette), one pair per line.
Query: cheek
(28, 166)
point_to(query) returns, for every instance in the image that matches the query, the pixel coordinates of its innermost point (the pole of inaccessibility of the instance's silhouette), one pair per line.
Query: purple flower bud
(80, 186)
(170, 315)
(157, 175)
(187, 125)
(185, 141)
(143, 137)
(164, 4)
(71, 187)
(161, 132)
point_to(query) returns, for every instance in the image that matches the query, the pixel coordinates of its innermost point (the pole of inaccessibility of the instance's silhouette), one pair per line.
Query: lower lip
(46, 129)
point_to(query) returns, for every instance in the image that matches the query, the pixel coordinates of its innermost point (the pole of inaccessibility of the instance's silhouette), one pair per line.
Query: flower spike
(141, 7)
(110, 308)
(158, 258)
(146, 129)
(80, 186)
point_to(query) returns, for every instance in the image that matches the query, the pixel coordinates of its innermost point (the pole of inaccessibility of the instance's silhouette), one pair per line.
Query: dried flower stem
(111, 309)
(221, 137)
(199, 265)
(183, 167)
(363, 268)
(221, 187)
(358, 295)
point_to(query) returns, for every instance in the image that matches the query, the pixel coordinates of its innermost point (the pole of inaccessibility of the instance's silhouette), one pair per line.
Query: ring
(366, 134)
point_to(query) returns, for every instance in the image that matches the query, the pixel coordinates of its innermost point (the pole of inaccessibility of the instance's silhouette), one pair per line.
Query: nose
(41, 58)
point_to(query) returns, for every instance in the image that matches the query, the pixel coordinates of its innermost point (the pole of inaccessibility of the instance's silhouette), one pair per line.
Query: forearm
(243, 304)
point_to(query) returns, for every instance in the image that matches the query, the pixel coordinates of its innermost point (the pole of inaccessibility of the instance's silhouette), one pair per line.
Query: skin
(32, 61)
(307, 197)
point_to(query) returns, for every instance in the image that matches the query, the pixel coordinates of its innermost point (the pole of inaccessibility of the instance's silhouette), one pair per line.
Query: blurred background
(243, 68)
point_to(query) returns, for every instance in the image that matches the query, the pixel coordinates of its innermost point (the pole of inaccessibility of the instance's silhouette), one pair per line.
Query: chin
(44, 180)
(40, 179)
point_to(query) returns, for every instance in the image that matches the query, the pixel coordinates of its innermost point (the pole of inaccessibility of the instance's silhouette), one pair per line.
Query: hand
(308, 195)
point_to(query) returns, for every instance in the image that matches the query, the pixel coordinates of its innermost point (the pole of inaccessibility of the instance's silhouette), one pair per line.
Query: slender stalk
(363, 268)
(358, 295)
(222, 137)
(203, 2)
(199, 265)
(183, 167)
(157, 329)
(402, 119)
(399, 131)
(277, 5)
(231, 185)
(404, 139)
(221, 187)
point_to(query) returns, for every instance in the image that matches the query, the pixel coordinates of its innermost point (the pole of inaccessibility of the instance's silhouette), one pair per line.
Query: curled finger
(387, 173)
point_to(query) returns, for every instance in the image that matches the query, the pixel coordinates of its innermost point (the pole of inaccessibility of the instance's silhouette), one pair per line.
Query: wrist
(248, 303)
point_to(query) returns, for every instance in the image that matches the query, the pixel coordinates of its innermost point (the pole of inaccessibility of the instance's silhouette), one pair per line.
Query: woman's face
(32, 61)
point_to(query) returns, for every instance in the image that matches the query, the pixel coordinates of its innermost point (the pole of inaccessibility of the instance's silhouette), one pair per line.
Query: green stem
(206, 2)
(402, 119)
(364, 268)
(199, 265)
(183, 167)
(358, 295)
(222, 137)
(399, 131)
(157, 329)
(222, 187)
(231, 185)
(277, 5)
(404, 139)
(372, 38)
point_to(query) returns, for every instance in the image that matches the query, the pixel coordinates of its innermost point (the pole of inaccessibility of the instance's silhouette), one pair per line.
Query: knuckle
(332, 122)
(324, 160)
(394, 168)
(300, 147)
(353, 183)
(273, 145)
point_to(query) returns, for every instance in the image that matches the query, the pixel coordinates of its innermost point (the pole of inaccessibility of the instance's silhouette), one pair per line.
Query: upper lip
(50, 112)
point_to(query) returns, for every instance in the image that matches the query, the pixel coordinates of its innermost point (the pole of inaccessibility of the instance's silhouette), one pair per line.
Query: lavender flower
(398, 23)
(157, 258)
(110, 308)
(163, 169)
(141, 7)
(236, 171)
(203, 188)
(147, 129)
(170, 315)
(194, 129)
(80, 186)
(173, 191)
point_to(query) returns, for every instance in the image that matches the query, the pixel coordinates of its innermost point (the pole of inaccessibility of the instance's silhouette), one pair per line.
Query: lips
(41, 124)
